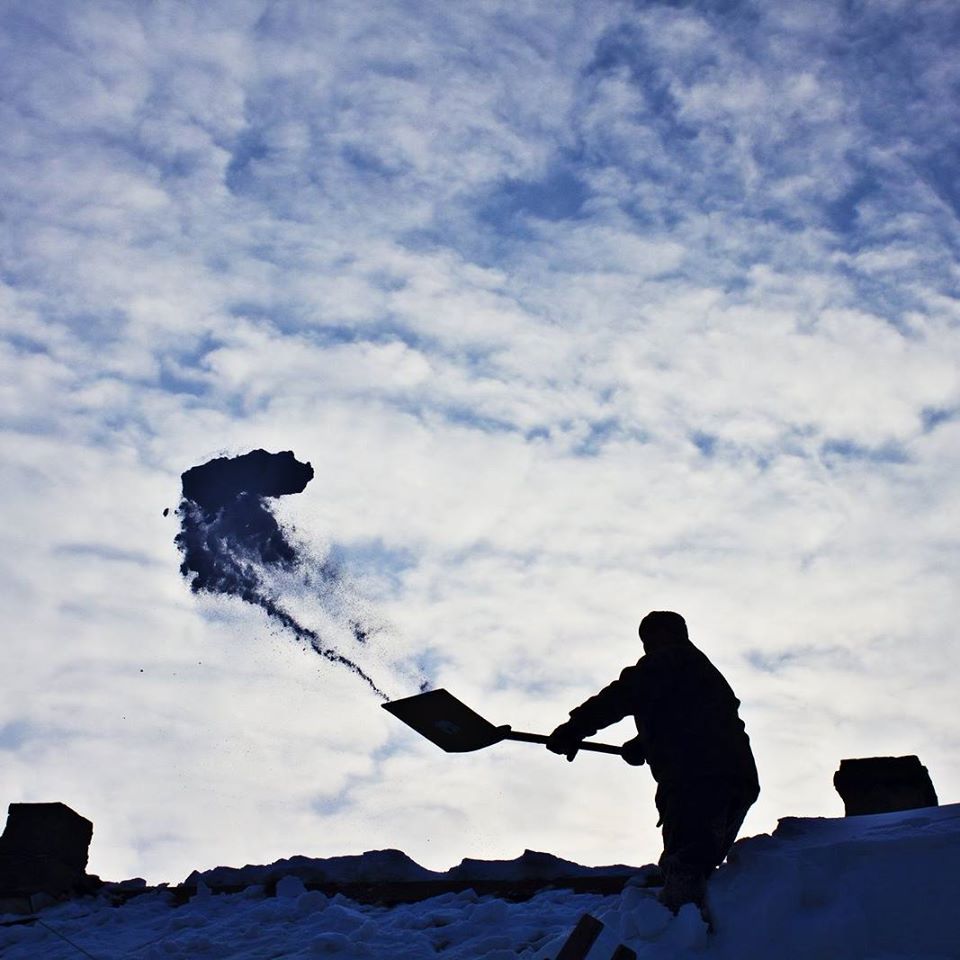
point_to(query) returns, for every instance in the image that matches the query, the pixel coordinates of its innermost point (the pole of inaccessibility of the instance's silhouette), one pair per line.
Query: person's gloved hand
(502, 732)
(565, 740)
(632, 751)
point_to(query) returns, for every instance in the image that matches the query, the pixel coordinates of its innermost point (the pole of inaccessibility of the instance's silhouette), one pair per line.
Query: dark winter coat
(686, 716)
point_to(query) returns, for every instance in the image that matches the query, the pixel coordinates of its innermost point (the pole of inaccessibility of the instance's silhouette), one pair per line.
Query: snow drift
(880, 887)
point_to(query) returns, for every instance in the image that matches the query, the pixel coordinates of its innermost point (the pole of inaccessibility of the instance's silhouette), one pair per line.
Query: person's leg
(742, 798)
(700, 820)
(688, 815)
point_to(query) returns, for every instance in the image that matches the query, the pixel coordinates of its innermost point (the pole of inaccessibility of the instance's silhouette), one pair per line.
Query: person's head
(662, 627)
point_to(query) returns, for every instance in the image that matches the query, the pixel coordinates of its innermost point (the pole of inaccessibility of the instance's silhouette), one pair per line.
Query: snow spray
(231, 542)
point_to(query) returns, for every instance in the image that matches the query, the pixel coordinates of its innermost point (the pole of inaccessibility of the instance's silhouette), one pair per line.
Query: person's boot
(683, 885)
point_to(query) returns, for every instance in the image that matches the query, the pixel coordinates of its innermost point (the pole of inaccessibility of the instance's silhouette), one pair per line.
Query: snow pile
(864, 888)
(882, 887)
(370, 867)
(394, 866)
(298, 924)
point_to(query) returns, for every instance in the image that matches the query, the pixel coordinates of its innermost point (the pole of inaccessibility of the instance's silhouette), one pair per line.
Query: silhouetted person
(691, 735)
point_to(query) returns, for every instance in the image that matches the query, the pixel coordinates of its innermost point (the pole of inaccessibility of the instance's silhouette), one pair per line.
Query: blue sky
(578, 311)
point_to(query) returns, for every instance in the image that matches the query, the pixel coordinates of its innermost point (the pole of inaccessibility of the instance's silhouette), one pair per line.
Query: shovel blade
(440, 717)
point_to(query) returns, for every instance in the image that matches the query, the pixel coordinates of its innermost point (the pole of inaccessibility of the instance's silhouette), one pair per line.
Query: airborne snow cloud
(231, 544)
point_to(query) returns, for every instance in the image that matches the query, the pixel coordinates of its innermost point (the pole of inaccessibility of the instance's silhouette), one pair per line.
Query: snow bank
(864, 888)
(298, 924)
(882, 887)
(394, 866)
(369, 867)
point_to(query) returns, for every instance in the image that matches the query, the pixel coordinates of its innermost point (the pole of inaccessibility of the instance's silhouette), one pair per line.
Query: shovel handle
(540, 738)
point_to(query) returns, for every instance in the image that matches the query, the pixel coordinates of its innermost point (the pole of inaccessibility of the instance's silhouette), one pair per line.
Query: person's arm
(612, 703)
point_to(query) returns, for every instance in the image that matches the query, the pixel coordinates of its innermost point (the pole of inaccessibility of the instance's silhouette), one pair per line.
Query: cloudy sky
(578, 309)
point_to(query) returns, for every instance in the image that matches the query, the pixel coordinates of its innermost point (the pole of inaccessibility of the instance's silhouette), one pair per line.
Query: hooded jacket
(686, 714)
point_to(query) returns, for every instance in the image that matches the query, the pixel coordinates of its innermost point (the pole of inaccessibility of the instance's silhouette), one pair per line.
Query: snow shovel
(440, 717)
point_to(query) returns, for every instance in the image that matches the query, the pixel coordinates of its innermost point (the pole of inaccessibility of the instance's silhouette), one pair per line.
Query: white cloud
(722, 379)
